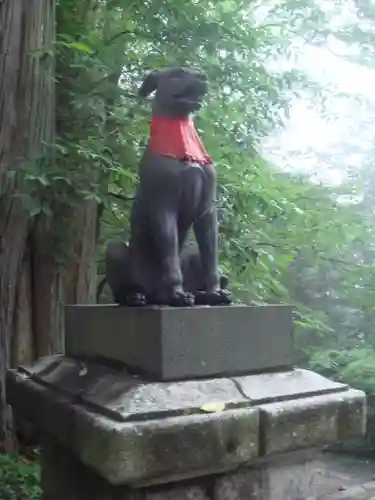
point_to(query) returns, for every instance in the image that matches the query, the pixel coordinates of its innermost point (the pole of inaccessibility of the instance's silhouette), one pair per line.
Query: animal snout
(198, 84)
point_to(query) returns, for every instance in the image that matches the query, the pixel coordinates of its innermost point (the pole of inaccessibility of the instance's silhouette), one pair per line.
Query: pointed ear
(149, 84)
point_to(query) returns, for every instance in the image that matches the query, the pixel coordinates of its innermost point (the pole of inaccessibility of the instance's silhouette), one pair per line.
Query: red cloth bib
(178, 138)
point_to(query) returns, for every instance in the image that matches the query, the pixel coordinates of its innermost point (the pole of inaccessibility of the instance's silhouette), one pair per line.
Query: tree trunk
(29, 286)
(32, 280)
(80, 282)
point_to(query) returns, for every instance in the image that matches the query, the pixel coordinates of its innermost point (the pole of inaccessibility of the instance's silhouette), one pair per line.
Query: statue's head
(179, 91)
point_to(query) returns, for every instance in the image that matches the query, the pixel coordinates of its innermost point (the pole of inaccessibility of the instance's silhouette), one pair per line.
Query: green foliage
(276, 229)
(19, 479)
(283, 238)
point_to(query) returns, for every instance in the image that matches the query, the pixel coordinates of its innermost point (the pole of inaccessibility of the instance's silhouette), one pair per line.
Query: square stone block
(179, 343)
(312, 421)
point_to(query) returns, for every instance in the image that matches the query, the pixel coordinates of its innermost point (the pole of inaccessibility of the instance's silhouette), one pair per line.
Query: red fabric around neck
(178, 138)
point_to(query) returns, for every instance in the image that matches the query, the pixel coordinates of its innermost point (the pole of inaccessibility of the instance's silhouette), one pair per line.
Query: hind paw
(135, 300)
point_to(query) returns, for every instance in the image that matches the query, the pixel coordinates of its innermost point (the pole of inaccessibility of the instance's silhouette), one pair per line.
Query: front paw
(181, 299)
(221, 297)
(177, 298)
(225, 297)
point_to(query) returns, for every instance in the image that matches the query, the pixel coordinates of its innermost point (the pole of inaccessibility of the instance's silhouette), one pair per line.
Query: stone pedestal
(285, 478)
(179, 343)
(110, 434)
(133, 434)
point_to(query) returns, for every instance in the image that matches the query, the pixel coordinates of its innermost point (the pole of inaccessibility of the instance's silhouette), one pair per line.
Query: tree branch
(333, 260)
(151, 38)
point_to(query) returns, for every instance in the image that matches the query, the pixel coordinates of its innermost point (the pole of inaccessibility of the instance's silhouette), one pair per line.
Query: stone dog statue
(176, 192)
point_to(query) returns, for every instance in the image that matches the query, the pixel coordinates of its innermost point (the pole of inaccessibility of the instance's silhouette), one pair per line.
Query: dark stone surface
(155, 450)
(124, 397)
(172, 343)
(66, 478)
(292, 477)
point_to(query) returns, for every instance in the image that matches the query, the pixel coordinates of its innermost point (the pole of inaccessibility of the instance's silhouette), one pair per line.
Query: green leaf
(34, 211)
(81, 47)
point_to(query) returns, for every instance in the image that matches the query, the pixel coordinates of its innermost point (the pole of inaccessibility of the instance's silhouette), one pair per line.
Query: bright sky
(306, 131)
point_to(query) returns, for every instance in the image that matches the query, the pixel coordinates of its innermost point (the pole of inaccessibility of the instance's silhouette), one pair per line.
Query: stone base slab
(139, 433)
(169, 343)
(294, 476)
(364, 491)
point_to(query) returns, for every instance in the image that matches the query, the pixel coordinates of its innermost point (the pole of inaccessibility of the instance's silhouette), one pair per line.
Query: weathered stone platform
(167, 404)
(134, 432)
(181, 343)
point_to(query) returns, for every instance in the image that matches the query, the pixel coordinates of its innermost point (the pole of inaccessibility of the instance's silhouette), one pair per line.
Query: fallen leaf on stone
(83, 371)
(213, 407)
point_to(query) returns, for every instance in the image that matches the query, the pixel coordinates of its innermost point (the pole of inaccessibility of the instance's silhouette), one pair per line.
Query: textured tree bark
(33, 284)
(26, 126)
(80, 275)
(80, 282)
